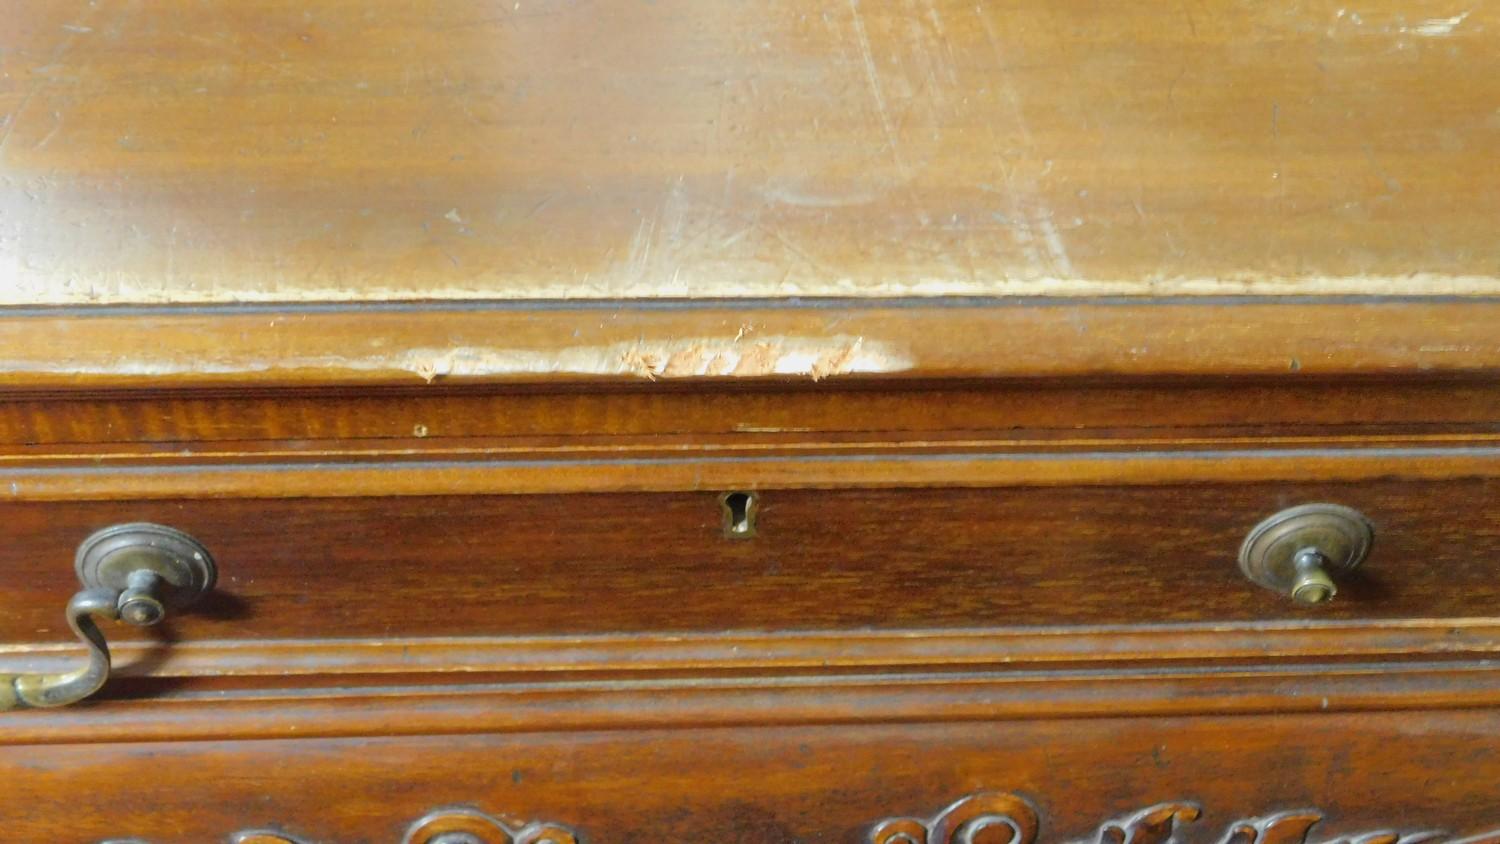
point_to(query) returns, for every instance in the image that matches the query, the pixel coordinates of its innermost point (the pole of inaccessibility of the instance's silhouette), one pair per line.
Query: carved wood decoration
(470, 826)
(985, 818)
(992, 818)
(457, 825)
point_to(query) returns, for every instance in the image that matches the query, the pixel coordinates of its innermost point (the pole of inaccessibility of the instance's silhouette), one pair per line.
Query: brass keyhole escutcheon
(1302, 551)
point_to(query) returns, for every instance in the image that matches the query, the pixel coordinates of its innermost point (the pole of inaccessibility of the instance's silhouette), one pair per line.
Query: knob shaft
(1313, 585)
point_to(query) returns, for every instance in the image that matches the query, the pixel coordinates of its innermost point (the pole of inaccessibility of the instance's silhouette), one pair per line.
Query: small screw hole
(739, 514)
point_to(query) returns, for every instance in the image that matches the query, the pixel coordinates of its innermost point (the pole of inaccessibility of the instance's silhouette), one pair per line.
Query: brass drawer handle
(134, 573)
(1299, 551)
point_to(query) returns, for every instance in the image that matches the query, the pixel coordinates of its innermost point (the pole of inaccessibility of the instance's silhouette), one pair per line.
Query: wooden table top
(380, 150)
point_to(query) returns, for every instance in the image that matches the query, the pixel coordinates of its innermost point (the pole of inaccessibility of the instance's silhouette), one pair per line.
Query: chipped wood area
(815, 358)
(260, 151)
(432, 344)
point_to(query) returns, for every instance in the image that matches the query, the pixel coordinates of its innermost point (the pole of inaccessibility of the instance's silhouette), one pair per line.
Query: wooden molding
(874, 469)
(342, 710)
(645, 655)
(716, 343)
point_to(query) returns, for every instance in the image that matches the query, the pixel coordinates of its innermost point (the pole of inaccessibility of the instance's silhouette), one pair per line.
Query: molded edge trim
(211, 715)
(139, 481)
(643, 654)
(717, 342)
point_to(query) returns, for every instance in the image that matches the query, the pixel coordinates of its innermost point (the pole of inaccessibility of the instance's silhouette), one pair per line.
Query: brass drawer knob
(1300, 551)
(136, 573)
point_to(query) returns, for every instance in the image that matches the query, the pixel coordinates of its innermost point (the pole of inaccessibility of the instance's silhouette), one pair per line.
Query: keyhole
(739, 514)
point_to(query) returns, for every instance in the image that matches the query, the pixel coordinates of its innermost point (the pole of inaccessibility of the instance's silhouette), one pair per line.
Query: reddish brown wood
(473, 550)
(879, 466)
(423, 569)
(428, 705)
(329, 662)
(978, 817)
(773, 785)
(222, 424)
(641, 563)
(1011, 817)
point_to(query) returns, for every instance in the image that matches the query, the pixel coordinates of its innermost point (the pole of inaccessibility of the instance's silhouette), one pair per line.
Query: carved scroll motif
(470, 826)
(457, 825)
(261, 837)
(993, 818)
(986, 818)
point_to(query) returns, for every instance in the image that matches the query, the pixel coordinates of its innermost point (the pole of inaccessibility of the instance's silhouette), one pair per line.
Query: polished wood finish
(856, 560)
(448, 326)
(262, 150)
(1005, 817)
(775, 784)
(1010, 817)
(164, 712)
(587, 471)
(487, 658)
(214, 426)
(486, 559)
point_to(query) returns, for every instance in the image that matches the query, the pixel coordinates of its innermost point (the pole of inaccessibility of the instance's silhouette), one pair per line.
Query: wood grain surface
(806, 342)
(850, 560)
(214, 426)
(1405, 772)
(266, 150)
(308, 280)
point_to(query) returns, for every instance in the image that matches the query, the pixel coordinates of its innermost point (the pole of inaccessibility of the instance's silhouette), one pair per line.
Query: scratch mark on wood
(1440, 27)
(1058, 254)
(872, 76)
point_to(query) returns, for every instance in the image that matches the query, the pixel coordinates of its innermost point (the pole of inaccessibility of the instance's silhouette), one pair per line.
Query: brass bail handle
(1301, 551)
(137, 573)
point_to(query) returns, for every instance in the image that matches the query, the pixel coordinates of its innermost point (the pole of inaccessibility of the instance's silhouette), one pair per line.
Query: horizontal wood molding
(204, 715)
(893, 468)
(714, 342)
(416, 686)
(640, 655)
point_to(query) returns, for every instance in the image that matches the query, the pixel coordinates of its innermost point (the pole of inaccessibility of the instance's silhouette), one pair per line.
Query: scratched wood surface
(268, 150)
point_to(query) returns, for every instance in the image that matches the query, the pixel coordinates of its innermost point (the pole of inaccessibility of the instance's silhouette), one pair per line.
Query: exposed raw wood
(806, 342)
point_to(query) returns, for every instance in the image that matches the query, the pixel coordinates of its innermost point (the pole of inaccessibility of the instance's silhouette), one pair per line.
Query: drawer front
(1317, 777)
(830, 560)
